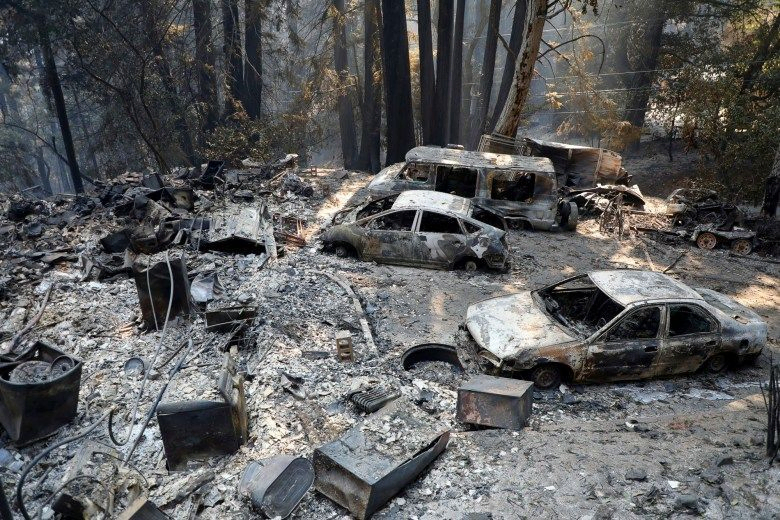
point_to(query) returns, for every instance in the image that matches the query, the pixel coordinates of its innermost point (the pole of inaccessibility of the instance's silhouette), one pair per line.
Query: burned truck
(524, 190)
(614, 325)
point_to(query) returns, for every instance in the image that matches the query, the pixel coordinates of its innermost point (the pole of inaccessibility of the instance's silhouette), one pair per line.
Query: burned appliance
(39, 392)
(369, 465)
(195, 430)
(276, 485)
(499, 402)
(154, 291)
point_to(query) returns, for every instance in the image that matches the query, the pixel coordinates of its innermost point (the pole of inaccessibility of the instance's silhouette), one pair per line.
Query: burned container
(39, 392)
(154, 291)
(370, 464)
(276, 485)
(193, 431)
(495, 401)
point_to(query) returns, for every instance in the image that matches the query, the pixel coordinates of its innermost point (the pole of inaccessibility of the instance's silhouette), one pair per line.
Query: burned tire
(716, 363)
(546, 377)
(706, 240)
(470, 265)
(742, 246)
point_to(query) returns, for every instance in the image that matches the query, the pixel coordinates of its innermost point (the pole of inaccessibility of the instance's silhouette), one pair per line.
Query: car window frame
(420, 213)
(710, 317)
(466, 232)
(368, 220)
(602, 334)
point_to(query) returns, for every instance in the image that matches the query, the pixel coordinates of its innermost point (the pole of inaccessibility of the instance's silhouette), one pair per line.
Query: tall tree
(346, 112)
(488, 68)
(252, 86)
(457, 73)
(468, 90)
(515, 40)
(427, 75)
(231, 49)
(53, 81)
(441, 97)
(205, 61)
(368, 158)
(395, 54)
(509, 120)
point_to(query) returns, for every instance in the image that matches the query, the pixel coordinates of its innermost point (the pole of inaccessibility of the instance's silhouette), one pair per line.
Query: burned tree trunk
(427, 77)
(231, 49)
(395, 54)
(515, 40)
(468, 77)
(457, 73)
(205, 61)
(488, 67)
(441, 97)
(509, 120)
(368, 159)
(346, 112)
(43, 171)
(252, 86)
(53, 82)
(772, 189)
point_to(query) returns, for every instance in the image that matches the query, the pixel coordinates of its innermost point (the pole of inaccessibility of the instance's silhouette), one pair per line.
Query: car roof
(433, 201)
(468, 158)
(631, 286)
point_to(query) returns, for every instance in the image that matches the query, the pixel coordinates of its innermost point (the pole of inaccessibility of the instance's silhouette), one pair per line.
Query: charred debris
(160, 427)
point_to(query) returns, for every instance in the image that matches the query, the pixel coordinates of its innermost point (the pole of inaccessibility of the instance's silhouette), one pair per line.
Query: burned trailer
(523, 190)
(424, 229)
(614, 326)
(580, 166)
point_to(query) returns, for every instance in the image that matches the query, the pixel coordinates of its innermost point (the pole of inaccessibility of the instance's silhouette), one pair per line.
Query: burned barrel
(39, 392)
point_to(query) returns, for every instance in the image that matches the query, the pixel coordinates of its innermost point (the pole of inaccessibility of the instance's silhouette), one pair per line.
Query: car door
(692, 335)
(390, 238)
(440, 238)
(628, 348)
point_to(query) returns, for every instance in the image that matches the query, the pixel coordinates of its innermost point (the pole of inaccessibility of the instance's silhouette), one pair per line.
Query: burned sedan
(422, 228)
(613, 326)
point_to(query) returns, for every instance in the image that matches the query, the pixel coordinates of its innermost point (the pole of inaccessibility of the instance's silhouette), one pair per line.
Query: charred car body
(524, 190)
(612, 326)
(422, 228)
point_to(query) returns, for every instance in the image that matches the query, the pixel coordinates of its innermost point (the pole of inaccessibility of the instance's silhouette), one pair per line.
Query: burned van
(523, 190)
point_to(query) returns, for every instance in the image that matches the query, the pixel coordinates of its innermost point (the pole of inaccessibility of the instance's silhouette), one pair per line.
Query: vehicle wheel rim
(706, 241)
(717, 363)
(545, 379)
(471, 266)
(741, 247)
(341, 251)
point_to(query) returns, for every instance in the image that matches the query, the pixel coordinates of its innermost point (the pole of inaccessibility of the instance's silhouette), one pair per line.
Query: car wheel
(546, 377)
(716, 363)
(742, 247)
(470, 266)
(341, 251)
(706, 241)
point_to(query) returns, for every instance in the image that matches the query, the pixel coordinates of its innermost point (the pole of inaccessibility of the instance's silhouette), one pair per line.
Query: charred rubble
(163, 331)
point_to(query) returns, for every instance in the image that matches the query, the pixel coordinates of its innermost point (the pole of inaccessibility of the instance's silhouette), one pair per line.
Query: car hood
(384, 176)
(507, 325)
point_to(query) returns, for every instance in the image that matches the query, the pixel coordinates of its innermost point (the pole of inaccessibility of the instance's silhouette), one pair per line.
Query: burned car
(613, 326)
(422, 228)
(523, 190)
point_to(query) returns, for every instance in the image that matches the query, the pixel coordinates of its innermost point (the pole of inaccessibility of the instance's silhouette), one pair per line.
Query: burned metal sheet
(193, 431)
(276, 485)
(36, 406)
(142, 509)
(431, 352)
(154, 291)
(246, 232)
(211, 174)
(375, 460)
(495, 401)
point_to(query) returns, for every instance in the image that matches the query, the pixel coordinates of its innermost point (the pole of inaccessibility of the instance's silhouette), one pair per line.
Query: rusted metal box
(276, 485)
(495, 401)
(370, 464)
(154, 291)
(39, 404)
(197, 430)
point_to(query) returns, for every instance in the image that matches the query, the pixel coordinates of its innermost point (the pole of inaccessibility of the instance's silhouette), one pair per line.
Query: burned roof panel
(628, 286)
(455, 157)
(433, 200)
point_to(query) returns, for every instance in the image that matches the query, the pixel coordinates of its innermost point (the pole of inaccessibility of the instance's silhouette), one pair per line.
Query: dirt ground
(691, 445)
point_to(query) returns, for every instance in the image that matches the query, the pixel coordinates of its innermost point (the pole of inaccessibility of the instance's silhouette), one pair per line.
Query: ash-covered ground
(691, 445)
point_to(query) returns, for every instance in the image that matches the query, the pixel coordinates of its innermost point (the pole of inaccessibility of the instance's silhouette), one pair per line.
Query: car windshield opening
(488, 217)
(377, 206)
(579, 305)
